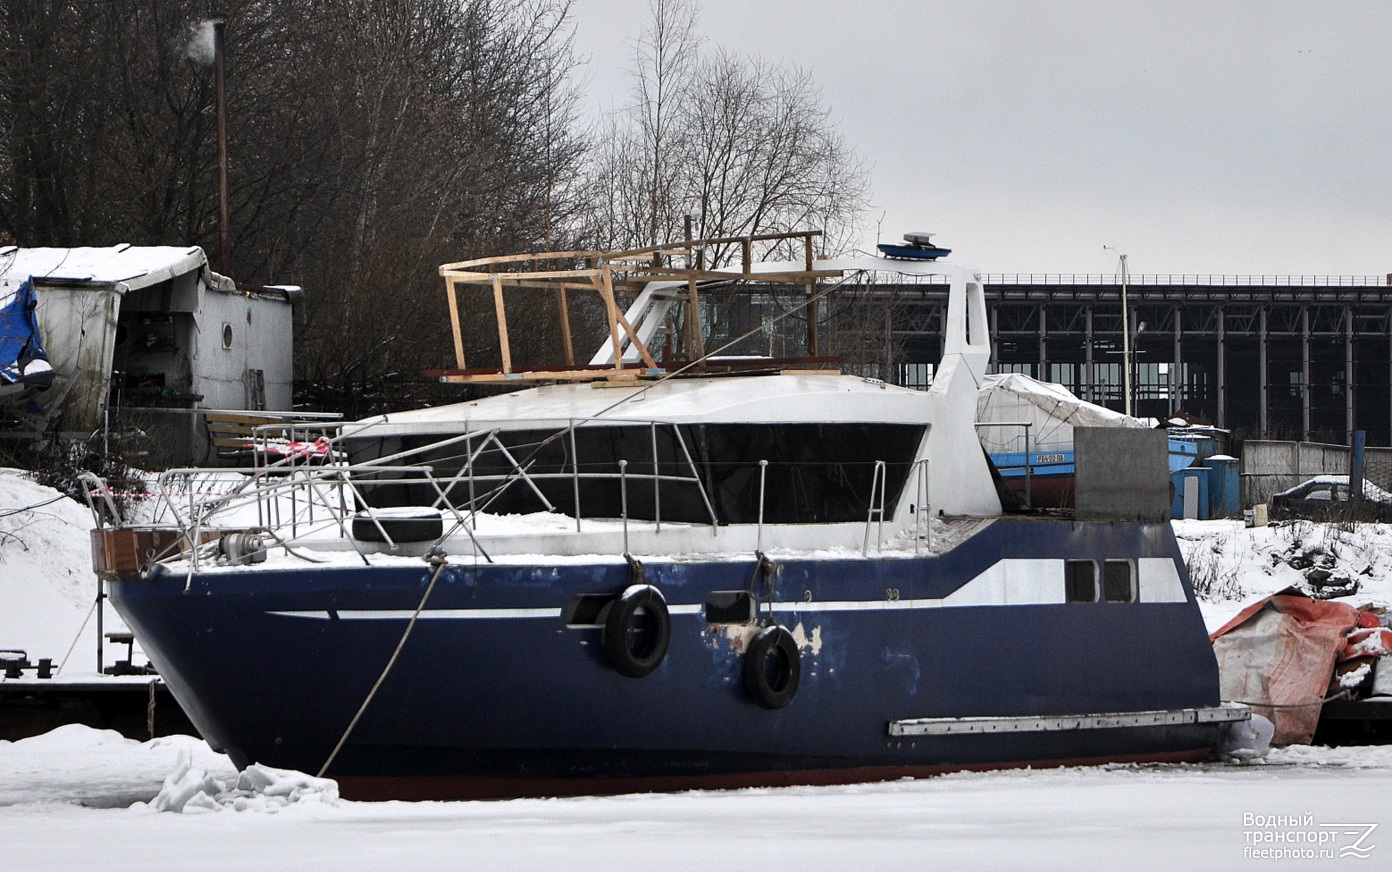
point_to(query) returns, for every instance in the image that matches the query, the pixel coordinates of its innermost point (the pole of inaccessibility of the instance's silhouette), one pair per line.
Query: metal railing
(1026, 425)
(1193, 279)
(298, 497)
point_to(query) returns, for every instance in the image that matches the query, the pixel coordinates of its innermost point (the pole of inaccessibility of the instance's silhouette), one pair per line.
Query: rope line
(1291, 705)
(440, 563)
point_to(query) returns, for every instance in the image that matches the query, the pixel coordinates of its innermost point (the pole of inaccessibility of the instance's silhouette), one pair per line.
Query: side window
(1080, 581)
(1119, 581)
(1319, 493)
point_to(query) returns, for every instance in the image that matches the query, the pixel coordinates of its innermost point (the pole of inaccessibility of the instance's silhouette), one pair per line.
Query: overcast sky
(1198, 137)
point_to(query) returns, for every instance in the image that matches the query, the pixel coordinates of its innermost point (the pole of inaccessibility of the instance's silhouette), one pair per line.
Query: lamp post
(1125, 334)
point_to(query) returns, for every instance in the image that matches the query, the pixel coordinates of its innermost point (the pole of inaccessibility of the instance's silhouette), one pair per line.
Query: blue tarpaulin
(22, 358)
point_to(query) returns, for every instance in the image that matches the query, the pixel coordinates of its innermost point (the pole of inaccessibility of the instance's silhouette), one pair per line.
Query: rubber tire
(773, 641)
(427, 526)
(621, 621)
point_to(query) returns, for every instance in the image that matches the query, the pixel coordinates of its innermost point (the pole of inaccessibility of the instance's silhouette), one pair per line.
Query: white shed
(151, 327)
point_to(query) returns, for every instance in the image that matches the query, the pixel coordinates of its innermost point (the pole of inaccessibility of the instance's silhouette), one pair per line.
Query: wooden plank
(454, 323)
(606, 290)
(502, 324)
(565, 327)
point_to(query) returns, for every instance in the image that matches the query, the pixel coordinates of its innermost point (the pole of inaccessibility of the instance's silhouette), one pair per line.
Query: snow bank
(78, 765)
(47, 587)
(1233, 566)
(188, 789)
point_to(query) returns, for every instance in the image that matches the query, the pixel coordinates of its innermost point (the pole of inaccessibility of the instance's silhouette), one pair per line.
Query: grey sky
(1199, 137)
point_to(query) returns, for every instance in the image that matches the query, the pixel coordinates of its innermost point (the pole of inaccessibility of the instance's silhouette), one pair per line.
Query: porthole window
(1080, 581)
(227, 336)
(1119, 581)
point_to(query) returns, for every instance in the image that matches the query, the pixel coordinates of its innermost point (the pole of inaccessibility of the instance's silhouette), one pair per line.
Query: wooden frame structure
(602, 272)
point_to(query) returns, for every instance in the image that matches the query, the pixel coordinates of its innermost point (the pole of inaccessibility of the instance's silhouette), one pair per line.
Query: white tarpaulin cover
(1051, 410)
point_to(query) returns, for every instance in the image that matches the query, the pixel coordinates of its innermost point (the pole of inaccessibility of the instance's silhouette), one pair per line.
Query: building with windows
(1269, 357)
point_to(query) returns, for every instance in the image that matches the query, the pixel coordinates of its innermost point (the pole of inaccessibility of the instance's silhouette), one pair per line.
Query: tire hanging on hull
(637, 631)
(772, 667)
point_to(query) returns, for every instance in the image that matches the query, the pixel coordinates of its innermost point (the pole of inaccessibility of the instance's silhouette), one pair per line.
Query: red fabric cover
(1368, 642)
(1281, 652)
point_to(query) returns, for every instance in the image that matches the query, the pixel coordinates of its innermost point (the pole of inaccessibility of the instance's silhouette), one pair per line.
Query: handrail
(877, 485)
(923, 516)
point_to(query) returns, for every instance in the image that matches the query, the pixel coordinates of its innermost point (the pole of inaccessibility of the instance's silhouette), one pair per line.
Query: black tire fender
(772, 667)
(402, 525)
(637, 631)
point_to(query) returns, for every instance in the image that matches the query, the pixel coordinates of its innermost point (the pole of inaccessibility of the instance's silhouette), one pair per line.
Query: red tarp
(1281, 652)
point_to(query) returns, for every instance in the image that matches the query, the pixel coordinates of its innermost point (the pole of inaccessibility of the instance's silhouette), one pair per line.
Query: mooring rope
(440, 562)
(1288, 705)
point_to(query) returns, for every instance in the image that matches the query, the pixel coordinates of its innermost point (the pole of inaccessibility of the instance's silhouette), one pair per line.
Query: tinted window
(816, 473)
(1118, 582)
(1080, 581)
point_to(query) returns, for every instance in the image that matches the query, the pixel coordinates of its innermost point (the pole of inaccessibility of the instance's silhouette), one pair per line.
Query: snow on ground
(1232, 565)
(47, 588)
(81, 799)
(85, 799)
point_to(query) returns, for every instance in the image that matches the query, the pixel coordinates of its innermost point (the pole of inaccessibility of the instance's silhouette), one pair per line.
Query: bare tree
(746, 146)
(369, 141)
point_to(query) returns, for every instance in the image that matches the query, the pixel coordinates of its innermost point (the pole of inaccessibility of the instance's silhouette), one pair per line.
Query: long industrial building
(1269, 357)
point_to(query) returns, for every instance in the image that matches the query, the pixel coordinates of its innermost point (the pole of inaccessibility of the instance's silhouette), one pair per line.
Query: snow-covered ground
(82, 799)
(78, 798)
(47, 588)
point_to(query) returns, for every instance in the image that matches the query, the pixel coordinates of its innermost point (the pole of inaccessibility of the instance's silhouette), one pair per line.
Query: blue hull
(493, 695)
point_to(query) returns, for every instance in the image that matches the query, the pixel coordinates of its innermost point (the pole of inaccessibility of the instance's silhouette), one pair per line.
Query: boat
(662, 571)
(1027, 427)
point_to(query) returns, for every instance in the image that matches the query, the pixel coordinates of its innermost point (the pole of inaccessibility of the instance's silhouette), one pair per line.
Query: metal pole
(1125, 335)
(623, 500)
(1029, 497)
(101, 595)
(759, 536)
(218, 74)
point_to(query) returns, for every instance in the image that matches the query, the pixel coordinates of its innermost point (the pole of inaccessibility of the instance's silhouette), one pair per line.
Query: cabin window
(816, 473)
(1080, 581)
(227, 336)
(1119, 581)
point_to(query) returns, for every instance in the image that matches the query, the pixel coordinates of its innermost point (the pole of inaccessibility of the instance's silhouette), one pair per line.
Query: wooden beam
(611, 307)
(565, 326)
(454, 323)
(502, 324)
(637, 343)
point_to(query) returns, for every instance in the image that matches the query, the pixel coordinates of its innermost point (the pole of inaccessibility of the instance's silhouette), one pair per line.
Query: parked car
(1326, 498)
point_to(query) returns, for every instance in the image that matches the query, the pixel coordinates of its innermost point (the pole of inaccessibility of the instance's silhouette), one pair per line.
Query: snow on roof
(745, 399)
(128, 266)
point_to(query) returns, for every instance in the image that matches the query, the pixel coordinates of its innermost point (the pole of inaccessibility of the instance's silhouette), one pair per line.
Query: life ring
(637, 631)
(772, 667)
